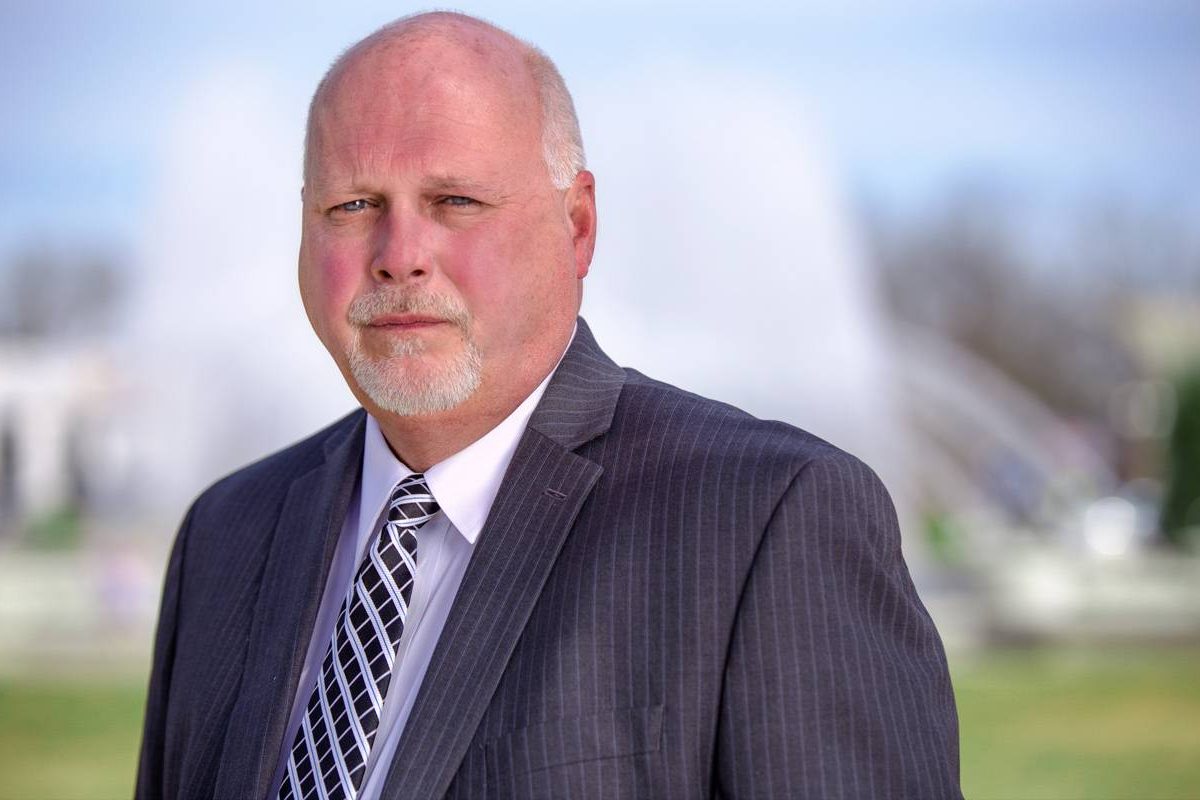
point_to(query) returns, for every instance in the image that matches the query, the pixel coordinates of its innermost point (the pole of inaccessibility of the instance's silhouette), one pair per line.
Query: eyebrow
(439, 183)
(444, 182)
(493, 193)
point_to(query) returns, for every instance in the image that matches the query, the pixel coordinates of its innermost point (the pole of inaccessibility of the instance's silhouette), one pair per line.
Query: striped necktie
(329, 755)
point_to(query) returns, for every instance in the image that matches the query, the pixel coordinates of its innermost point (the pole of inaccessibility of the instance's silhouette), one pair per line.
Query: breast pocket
(614, 753)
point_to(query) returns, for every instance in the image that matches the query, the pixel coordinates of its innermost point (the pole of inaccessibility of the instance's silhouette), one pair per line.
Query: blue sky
(1074, 97)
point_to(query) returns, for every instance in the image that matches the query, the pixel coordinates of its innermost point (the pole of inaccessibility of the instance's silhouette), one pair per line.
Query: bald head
(529, 75)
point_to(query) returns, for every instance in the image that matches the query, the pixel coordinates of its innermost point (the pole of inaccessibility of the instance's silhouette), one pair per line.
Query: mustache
(366, 308)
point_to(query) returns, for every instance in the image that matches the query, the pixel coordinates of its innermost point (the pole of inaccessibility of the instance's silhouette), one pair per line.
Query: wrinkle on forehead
(358, 156)
(380, 141)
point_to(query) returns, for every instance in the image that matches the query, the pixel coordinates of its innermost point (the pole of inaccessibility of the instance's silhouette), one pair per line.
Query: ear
(580, 203)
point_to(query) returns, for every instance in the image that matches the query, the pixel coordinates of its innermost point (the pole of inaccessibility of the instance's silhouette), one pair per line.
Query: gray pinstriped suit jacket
(670, 599)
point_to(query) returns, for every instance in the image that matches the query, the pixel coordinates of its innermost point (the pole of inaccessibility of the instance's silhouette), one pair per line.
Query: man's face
(438, 264)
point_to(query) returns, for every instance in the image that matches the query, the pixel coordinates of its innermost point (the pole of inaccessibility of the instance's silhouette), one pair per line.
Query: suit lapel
(302, 548)
(539, 499)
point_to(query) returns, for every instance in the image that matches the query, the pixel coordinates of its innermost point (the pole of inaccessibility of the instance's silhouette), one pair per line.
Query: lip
(405, 321)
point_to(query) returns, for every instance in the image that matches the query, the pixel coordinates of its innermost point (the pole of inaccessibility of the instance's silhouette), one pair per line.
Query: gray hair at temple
(562, 143)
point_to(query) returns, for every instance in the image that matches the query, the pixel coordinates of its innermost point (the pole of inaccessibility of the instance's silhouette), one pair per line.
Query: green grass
(1080, 724)
(1035, 725)
(69, 741)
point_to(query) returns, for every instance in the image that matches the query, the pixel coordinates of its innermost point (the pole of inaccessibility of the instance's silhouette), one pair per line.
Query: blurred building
(56, 405)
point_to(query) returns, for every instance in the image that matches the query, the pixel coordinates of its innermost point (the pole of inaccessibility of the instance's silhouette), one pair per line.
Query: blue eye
(353, 205)
(458, 200)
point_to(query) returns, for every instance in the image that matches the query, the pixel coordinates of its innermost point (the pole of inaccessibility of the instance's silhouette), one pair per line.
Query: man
(522, 571)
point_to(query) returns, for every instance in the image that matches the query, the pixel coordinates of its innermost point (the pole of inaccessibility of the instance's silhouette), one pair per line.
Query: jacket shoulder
(713, 429)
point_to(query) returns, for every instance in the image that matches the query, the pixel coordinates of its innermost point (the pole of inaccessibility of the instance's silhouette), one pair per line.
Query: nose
(402, 252)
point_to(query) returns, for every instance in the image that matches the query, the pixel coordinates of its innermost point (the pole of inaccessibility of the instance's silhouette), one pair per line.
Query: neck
(422, 441)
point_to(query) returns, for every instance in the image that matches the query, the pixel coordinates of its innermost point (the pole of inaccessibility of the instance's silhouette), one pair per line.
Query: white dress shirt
(464, 485)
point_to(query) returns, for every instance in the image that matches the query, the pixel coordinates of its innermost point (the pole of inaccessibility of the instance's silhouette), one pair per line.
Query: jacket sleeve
(151, 768)
(836, 683)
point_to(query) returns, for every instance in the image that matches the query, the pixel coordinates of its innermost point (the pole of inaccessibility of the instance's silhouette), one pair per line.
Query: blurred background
(961, 240)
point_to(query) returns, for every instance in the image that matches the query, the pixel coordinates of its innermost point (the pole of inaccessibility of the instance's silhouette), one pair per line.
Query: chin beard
(408, 381)
(403, 383)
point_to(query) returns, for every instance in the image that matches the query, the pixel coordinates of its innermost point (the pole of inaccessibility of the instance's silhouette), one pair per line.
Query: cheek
(510, 283)
(503, 265)
(469, 264)
(328, 283)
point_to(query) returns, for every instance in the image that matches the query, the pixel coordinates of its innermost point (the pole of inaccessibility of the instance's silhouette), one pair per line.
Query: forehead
(431, 96)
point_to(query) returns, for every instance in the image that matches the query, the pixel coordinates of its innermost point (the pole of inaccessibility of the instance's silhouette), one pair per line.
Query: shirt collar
(465, 484)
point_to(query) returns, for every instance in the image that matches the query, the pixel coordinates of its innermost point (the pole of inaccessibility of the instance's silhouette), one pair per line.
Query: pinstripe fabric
(695, 604)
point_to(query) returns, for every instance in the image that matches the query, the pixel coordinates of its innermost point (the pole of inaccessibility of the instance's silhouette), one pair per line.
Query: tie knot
(411, 503)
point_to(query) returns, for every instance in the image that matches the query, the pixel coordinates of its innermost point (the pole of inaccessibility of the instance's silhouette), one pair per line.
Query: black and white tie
(329, 755)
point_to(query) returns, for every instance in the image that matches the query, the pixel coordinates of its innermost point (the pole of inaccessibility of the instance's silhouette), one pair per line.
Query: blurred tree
(967, 272)
(8, 474)
(1181, 507)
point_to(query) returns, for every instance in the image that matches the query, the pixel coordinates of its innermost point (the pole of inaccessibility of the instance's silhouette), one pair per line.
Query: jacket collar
(582, 396)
